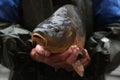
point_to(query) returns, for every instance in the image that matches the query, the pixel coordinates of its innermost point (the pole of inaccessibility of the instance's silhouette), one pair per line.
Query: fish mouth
(39, 39)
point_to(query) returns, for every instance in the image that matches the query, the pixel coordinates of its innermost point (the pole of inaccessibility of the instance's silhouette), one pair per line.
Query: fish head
(54, 38)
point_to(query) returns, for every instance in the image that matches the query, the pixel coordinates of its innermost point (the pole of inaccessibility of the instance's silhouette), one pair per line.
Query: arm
(15, 45)
(15, 49)
(104, 48)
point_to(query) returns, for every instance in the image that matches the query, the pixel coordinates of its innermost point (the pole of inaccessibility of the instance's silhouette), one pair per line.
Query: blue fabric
(9, 10)
(106, 11)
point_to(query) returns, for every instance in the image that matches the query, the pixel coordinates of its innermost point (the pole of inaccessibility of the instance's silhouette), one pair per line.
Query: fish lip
(36, 35)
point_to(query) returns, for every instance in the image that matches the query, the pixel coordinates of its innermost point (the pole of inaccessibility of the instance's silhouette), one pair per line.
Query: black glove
(104, 49)
(15, 46)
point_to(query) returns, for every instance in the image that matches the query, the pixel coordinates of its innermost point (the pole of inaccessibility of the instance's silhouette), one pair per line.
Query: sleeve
(15, 45)
(104, 49)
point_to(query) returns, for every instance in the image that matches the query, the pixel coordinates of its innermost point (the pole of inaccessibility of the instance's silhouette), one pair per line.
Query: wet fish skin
(63, 29)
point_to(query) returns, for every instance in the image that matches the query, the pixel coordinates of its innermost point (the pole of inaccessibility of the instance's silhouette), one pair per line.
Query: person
(16, 51)
(102, 37)
(102, 46)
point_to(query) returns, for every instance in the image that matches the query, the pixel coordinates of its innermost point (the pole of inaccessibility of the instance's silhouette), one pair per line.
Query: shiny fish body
(63, 29)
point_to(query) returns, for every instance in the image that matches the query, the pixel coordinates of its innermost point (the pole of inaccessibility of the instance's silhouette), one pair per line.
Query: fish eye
(56, 29)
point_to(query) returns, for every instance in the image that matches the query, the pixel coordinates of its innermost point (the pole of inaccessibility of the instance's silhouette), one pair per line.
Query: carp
(61, 30)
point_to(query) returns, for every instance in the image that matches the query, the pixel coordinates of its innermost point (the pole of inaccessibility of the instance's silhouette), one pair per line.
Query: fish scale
(67, 29)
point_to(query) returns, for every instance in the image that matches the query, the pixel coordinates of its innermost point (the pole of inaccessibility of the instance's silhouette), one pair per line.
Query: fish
(65, 27)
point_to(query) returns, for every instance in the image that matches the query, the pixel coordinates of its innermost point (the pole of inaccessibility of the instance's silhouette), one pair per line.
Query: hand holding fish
(57, 35)
(62, 60)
